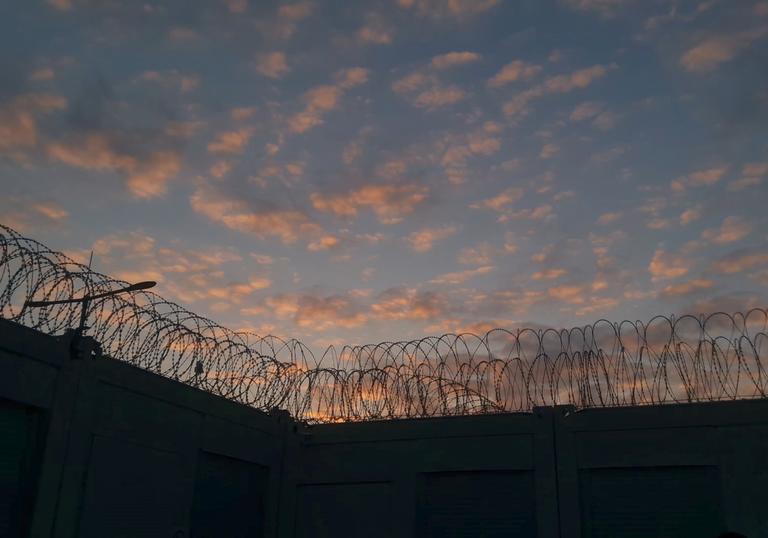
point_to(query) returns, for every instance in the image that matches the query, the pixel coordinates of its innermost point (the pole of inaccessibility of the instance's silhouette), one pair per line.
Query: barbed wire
(666, 360)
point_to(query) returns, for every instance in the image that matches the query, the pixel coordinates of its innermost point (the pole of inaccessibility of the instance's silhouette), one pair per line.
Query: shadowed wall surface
(113, 450)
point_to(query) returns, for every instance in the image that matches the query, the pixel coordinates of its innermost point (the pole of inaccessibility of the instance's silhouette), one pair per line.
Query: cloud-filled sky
(351, 172)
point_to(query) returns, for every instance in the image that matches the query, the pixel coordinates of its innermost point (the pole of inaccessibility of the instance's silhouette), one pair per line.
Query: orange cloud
(408, 303)
(501, 200)
(18, 123)
(234, 213)
(439, 96)
(549, 274)
(665, 265)
(231, 142)
(423, 240)
(710, 53)
(608, 218)
(568, 294)
(390, 202)
(426, 91)
(690, 215)
(481, 254)
(579, 79)
(687, 288)
(322, 99)
(144, 179)
(272, 64)
(740, 261)
(452, 59)
(512, 72)
(325, 242)
(732, 229)
(460, 277)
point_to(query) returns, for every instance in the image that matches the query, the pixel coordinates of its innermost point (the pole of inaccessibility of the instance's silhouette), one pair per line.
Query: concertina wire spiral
(666, 360)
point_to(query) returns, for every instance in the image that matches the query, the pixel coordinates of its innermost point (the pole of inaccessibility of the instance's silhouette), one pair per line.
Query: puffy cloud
(234, 213)
(744, 183)
(699, 178)
(740, 260)
(322, 99)
(608, 218)
(687, 288)
(512, 72)
(710, 53)
(549, 274)
(458, 9)
(375, 31)
(732, 229)
(272, 64)
(439, 96)
(409, 303)
(390, 202)
(451, 59)
(752, 175)
(460, 277)
(351, 77)
(146, 178)
(325, 242)
(585, 111)
(690, 215)
(606, 8)
(231, 142)
(150, 180)
(481, 254)
(323, 313)
(423, 240)
(51, 210)
(18, 122)
(578, 79)
(548, 151)
(568, 294)
(426, 91)
(410, 83)
(665, 265)
(455, 151)
(501, 200)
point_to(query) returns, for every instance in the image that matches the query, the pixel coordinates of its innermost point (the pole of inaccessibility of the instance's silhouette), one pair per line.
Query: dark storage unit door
(471, 504)
(347, 510)
(19, 451)
(651, 502)
(229, 499)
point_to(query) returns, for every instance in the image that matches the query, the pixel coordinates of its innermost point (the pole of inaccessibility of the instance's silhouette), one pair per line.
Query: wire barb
(666, 360)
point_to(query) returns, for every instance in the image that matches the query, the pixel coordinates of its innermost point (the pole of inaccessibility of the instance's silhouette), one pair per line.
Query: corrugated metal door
(19, 428)
(651, 502)
(230, 498)
(471, 504)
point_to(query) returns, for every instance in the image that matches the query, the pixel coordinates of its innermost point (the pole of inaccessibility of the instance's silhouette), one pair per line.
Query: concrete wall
(98, 448)
(674, 470)
(129, 453)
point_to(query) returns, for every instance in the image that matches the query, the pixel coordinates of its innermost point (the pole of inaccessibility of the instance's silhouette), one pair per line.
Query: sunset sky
(351, 172)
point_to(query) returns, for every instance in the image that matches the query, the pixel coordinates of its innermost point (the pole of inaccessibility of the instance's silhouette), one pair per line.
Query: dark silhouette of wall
(100, 448)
